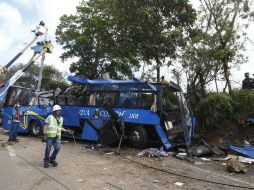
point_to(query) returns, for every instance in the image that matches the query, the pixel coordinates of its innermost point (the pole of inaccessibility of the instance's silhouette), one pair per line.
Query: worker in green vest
(52, 136)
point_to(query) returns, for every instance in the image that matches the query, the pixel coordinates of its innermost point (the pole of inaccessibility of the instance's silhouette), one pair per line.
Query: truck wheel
(138, 137)
(35, 128)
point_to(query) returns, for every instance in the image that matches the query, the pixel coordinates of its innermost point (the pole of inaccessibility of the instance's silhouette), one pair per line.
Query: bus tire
(138, 137)
(35, 128)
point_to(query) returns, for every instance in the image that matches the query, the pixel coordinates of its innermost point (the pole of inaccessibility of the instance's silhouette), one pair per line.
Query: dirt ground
(83, 168)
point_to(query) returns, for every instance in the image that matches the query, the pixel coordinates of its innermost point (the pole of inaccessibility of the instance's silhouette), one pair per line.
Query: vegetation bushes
(214, 109)
(217, 108)
(243, 104)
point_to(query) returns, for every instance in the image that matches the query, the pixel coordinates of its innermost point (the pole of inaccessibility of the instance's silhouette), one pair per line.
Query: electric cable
(177, 174)
(181, 175)
(184, 176)
(109, 183)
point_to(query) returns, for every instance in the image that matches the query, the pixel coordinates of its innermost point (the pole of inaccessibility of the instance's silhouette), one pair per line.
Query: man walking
(52, 135)
(15, 121)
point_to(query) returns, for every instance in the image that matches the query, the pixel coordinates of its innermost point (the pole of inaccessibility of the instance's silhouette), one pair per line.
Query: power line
(185, 176)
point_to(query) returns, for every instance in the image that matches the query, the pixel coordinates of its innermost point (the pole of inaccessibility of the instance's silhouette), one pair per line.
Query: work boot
(46, 165)
(54, 163)
(15, 140)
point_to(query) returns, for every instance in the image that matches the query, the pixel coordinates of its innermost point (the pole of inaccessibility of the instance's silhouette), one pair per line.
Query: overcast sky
(18, 17)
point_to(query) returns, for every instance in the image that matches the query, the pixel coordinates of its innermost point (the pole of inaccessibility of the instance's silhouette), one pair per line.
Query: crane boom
(39, 30)
(39, 50)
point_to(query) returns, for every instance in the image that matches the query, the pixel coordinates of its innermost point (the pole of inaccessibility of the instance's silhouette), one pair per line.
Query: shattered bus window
(147, 99)
(128, 99)
(108, 98)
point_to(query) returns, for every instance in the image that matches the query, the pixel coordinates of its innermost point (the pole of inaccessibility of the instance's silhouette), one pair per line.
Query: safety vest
(54, 128)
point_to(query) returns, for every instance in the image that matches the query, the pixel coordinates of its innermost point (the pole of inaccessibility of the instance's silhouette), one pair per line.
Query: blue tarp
(247, 150)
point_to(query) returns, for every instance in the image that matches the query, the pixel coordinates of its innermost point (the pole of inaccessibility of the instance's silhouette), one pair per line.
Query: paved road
(21, 168)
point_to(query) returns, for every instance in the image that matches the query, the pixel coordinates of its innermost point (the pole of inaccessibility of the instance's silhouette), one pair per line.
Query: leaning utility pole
(42, 62)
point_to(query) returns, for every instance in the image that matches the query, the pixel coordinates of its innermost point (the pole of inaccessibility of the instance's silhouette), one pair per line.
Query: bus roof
(125, 83)
(84, 81)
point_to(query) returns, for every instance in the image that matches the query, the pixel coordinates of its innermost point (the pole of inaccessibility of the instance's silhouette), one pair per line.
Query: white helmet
(56, 108)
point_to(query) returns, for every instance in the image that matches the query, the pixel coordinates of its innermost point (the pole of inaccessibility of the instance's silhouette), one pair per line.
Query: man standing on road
(52, 136)
(248, 83)
(15, 121)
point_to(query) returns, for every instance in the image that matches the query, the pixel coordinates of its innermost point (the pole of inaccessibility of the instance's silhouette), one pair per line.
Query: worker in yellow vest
(52, 136)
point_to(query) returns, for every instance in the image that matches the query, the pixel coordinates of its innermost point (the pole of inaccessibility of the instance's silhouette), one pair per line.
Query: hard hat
(56, 108)
(17, 105)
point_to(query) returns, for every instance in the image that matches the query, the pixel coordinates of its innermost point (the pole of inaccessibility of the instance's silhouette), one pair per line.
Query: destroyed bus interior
(28, 97)
(110, 111)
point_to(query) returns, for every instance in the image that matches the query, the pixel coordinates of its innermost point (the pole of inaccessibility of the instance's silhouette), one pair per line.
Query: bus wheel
(35, 128)
(138, 137)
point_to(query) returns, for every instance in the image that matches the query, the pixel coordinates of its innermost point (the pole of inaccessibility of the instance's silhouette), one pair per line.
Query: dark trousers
(13, 131)
(56, 143)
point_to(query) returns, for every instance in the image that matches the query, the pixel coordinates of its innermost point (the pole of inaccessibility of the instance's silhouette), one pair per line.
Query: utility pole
(42, 64)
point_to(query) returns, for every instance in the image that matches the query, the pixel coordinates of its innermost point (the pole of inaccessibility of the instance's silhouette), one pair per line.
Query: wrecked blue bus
(110, 111)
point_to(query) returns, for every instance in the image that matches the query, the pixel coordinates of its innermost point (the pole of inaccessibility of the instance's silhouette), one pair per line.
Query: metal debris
(178, 184)
(200, 150)
(245, 160)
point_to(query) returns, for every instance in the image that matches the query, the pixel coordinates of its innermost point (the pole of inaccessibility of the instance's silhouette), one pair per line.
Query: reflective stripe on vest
(54, 130)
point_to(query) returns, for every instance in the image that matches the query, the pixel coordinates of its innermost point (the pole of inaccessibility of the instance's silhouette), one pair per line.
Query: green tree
(215, 45)
(117, 35)
(90, 36)
(227, 21)
(51, 79)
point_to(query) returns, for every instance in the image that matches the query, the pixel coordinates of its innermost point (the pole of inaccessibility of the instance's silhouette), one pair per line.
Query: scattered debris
(178, 184)
(235, 166)
(80, 180)
(151, 152)
(206, 159)
(109, 153)
(247, 150)
(228, 157)
(197, 163)
(154, 152)
(91, 146)
(155, 181)
(224, 164)
(214, 149)
(246, 142)
(245, 160)
(181, 156)
(225, 143)
(200, 150)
